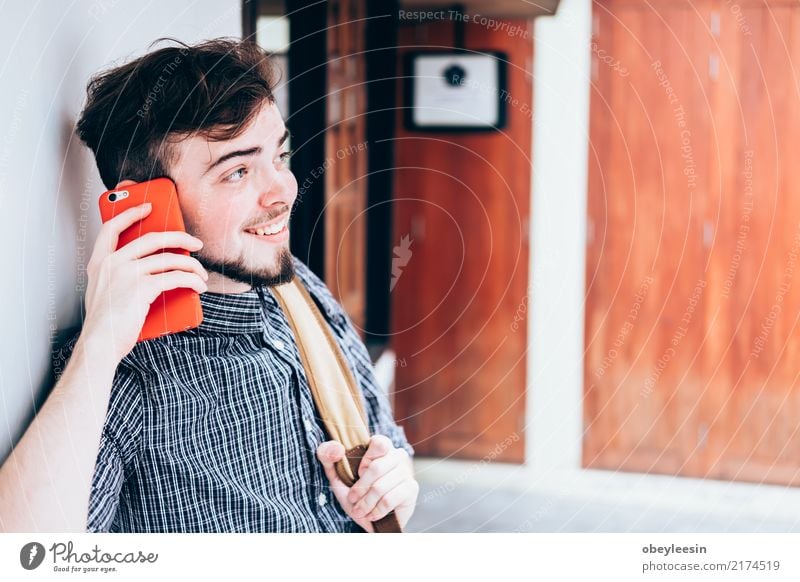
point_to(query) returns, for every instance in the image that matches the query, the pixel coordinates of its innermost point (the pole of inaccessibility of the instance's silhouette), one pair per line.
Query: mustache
(279, 210)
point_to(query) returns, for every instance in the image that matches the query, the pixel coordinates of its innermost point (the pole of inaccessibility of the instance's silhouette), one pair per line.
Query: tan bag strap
(333, 386)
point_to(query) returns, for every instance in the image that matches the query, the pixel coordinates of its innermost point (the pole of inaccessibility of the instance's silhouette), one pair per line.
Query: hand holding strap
(386, 524)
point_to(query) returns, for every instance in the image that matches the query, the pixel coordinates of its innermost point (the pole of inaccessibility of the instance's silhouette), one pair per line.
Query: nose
(277, 189)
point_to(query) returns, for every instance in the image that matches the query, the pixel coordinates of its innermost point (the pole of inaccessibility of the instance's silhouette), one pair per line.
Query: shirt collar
(232, 313)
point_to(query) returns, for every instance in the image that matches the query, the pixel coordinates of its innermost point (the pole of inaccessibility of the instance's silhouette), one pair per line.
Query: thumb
(328, 454)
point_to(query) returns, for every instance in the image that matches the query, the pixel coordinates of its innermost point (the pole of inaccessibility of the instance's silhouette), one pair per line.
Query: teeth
(273, 229)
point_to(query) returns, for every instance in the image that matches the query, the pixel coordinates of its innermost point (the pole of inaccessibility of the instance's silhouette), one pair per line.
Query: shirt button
(279, 345)
(308, 425)
(322, 500)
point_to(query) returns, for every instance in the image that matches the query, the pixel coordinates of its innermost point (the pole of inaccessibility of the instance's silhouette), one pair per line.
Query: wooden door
(645, 236)
(461, 212)
(345, 164)
(752, 409)
(683, 267)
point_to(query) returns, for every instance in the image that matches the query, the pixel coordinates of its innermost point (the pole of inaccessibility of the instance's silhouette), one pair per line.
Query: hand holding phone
(144, 258)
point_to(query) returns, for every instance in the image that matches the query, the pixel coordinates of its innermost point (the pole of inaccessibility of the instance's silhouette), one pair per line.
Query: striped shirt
(215, 430)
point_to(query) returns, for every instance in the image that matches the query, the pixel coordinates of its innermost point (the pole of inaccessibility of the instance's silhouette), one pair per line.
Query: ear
(124, 183)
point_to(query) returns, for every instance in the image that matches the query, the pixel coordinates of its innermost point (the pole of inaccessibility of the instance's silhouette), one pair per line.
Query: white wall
(48, 182)
(558, 237)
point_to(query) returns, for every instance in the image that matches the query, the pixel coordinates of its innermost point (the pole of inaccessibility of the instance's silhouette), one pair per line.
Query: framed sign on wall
(455, 90)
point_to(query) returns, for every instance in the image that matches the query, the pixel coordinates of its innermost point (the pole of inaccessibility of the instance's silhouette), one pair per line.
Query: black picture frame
(408, 91)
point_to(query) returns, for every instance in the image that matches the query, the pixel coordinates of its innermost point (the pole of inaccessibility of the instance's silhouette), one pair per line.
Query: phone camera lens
(112, 197)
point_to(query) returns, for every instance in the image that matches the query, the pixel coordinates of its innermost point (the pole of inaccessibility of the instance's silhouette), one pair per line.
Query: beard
(238, 271)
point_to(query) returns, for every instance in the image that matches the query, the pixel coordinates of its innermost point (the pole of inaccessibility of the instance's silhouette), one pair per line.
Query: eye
(286, 155)
(235, 176)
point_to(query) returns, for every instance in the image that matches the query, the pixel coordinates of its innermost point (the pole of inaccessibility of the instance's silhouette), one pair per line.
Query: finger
(376, 470)
(382, 486)
(108, 237)
(151, 242)
(392, 500)
(379, 445)
(162, 262)
(328, 454)
(175, 280)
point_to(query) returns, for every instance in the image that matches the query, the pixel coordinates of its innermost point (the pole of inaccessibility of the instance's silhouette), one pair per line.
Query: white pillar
(558, 237)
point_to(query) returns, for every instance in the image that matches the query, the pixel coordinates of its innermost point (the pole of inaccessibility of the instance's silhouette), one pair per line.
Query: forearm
(45, 482)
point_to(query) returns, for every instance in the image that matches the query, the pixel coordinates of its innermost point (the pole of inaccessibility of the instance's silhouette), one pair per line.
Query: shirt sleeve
(109, 474)
(121, 420)
(118, 448)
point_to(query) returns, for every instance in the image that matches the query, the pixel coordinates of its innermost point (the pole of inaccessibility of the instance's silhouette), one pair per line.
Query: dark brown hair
(134, 112)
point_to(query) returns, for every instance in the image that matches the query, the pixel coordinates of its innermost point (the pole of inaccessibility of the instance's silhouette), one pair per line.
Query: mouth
(274, 231)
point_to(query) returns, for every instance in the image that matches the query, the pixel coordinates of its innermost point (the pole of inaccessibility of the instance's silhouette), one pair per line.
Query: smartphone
(175, 310)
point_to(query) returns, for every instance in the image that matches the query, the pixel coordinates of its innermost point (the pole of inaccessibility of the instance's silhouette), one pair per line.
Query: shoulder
(320, 292)
(309, 278)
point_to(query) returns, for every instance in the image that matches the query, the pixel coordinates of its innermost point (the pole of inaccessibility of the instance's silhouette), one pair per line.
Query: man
(211, 429)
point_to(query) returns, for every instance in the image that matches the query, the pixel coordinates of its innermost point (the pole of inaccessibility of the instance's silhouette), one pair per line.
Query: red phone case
(175, 310)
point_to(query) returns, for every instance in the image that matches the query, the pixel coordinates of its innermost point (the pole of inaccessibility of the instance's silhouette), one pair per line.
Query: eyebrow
(243, 153)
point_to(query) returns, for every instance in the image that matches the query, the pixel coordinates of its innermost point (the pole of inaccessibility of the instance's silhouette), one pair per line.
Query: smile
(269, 229)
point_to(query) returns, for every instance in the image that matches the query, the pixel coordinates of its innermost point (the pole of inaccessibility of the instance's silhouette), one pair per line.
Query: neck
(219, 283)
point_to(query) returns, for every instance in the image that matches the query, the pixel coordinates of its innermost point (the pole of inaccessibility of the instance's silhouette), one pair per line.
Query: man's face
(236, 196)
